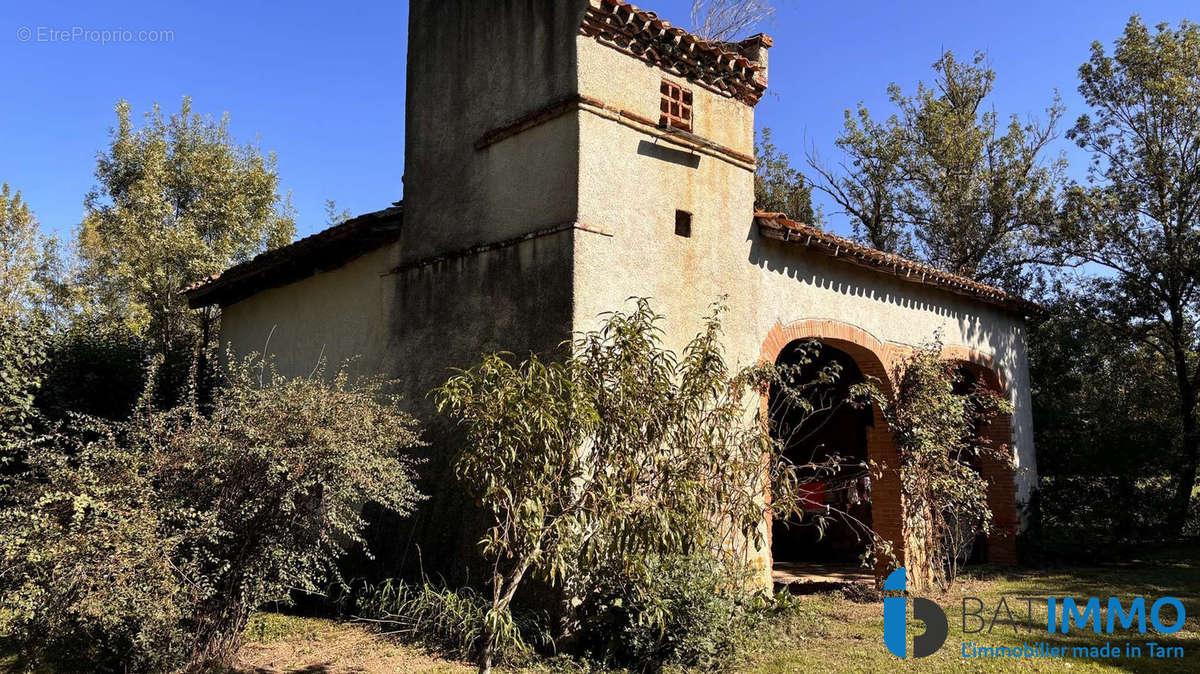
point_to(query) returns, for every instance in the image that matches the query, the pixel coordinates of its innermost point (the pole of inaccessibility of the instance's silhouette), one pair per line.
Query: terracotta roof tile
(325, 250)
(641, 34)
(779, 226)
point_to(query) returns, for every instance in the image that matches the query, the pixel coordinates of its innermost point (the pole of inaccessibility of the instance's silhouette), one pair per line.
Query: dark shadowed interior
(834, 427)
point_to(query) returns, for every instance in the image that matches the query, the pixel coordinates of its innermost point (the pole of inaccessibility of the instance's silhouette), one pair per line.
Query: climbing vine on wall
(940, 440)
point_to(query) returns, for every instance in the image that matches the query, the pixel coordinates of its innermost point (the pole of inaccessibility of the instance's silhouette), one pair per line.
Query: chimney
(755, 48)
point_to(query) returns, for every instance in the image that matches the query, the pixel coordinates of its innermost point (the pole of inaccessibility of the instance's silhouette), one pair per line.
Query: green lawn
(831, 634)
(843, 636)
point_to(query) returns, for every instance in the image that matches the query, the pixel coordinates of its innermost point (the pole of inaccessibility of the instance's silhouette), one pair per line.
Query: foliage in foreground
(620, 454)
(685, 611)
(451, 621)
(936, 431)
(145, 544)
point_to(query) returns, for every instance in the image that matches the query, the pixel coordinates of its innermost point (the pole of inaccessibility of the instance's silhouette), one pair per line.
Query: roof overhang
(781, 228)
(323, 251)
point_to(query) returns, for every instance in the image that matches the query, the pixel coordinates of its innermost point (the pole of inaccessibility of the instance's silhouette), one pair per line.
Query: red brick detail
(675, 106)
(718, 66)
(1002, 487)
(876, 359)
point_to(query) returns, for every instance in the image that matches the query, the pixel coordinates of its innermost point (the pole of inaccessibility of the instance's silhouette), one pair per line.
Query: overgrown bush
(688, 611)
(22, 364)
(145, 544)
(937, 436)
(94, 372)
(622, 453)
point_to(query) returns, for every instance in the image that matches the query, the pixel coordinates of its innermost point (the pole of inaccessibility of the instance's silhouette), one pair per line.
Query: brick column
(1001, 496)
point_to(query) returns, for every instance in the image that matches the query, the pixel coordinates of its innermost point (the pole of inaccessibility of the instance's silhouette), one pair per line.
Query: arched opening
(999, 547)
(828, 538)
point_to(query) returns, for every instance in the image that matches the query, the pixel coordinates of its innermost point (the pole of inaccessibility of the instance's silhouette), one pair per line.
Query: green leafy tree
(779, 188)
(943, 178)
(22, 365)
(176, 200)
(618, 455)
(145, 544)
(937, 435)
(28, 261)
(1138, 216)
(27, 290)
(1107, 431)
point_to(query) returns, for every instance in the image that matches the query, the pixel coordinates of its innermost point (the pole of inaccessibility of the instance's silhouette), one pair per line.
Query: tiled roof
(325, 250)
(641, 34)
(779, 226)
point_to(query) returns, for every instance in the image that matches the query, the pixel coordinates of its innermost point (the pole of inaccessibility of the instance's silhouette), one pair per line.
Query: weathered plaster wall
(472, 67)
(476, 66)
(335, 315)
(634, 193)
(415, 325)
(629, 84)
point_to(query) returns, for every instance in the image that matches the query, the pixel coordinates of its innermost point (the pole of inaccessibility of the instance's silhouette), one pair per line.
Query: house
(562, 156)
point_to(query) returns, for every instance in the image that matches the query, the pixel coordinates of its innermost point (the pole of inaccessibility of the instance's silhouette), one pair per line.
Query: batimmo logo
(1062, 615)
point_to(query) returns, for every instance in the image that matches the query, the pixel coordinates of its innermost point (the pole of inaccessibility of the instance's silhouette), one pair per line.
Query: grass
(282, 643)
(831, 633)
(843, 636)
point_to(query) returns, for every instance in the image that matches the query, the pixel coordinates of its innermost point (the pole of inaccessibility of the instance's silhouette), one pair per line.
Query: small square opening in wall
(683, 224)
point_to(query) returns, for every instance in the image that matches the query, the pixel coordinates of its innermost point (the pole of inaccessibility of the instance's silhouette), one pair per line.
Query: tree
(943, 176)
(145, 544)
(618, 455)
(27, 290)
(1107, 431)
(779, 188)
(176, 201)
(1138, 216)
(28, 261)
(727, 20)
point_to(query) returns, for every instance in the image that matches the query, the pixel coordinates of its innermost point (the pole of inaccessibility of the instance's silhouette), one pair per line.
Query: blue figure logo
(895, 618)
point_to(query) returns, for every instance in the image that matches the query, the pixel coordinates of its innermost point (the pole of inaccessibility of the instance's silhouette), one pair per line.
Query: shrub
(688, 611)
(937, 437)
(94, 372)
(145, 544)
(22, 361)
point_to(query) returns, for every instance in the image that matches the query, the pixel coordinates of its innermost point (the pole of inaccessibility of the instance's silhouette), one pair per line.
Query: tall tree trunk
(1185, 474)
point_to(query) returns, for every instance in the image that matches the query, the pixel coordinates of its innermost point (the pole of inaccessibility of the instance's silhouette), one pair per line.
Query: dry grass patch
(279, 643)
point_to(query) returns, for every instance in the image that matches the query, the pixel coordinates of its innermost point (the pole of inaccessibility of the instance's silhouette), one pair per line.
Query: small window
(683, 224)
(676, 106)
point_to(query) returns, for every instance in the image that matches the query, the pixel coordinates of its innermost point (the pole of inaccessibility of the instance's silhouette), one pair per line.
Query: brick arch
(981, 363)
(1001, 496)
(875, 359)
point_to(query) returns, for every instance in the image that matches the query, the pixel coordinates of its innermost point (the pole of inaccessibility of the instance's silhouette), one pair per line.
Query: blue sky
(322, 84)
